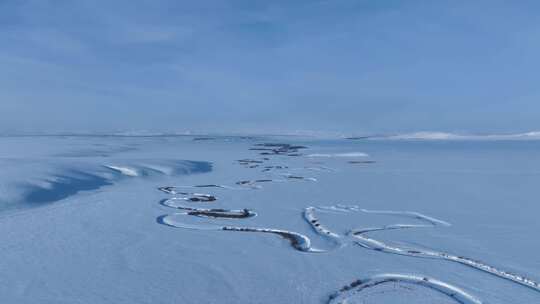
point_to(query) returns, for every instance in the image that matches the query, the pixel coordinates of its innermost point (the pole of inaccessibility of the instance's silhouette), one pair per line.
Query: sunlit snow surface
(214, 219)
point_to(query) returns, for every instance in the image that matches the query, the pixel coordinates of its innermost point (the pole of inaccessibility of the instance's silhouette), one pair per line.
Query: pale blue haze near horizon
(269, 66)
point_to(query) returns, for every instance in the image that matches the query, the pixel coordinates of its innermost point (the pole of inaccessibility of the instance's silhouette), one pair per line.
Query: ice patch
(415, 215)
(314, 222)
(124, 170)
(534, 135)
(298, 241)
(358, 288)
(215, 213)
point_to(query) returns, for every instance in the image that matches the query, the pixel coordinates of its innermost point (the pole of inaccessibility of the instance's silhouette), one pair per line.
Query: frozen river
(187, 219)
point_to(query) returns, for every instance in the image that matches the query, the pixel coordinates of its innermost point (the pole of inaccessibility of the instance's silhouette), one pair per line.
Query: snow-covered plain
(185, 219)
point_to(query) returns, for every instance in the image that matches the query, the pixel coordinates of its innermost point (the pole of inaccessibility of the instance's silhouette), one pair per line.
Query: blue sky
(269, 66)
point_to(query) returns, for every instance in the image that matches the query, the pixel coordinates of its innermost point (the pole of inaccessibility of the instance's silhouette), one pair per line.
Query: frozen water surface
(225, 219)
